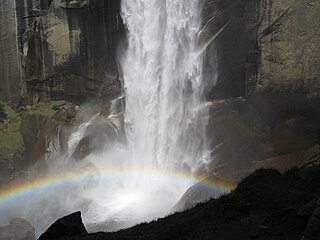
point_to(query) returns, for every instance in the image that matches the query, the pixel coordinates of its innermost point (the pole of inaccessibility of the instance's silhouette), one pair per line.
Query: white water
(162, 76)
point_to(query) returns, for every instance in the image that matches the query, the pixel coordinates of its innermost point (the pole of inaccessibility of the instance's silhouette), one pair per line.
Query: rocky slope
(266, 205)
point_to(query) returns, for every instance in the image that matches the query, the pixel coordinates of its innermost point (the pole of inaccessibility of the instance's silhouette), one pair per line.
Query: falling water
(162, 75)
(143, 177)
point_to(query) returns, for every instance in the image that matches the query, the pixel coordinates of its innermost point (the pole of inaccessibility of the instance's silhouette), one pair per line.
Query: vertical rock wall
(268, 52)
(67, 49)
(288, 81)
(289, 39)
(230, 35)
(10, 79)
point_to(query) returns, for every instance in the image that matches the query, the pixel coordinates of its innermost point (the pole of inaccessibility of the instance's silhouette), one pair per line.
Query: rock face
(257, 46)
(287, 83)
(289, 36)
(10, 79)
(230, 35)
(65, 49)
(267, 52)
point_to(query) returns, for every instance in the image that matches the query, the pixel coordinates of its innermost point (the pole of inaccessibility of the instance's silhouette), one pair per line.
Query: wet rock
(63, 59)
(46, 37)
(202, 192)
(98, 136)
(230, 36)
(68, 226)
(18, 229)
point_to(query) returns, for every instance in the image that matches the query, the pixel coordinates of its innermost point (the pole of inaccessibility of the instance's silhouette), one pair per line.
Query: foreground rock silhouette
(68, 226)
(266, 205)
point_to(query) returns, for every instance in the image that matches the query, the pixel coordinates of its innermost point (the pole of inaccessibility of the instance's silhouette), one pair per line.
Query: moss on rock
(10, 136)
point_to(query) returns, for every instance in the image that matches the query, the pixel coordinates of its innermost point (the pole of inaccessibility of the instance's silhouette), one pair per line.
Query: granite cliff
(60, 49)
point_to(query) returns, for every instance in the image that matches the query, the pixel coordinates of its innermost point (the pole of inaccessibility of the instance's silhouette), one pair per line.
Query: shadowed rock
(312, 231)
(203, 191)
(68, 226)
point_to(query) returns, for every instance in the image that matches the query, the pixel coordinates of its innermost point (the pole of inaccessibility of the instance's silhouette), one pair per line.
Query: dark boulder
(100, 135)
(68, 226)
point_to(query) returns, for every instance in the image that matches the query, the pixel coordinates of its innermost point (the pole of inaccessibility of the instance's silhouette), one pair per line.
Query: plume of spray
(136, 180)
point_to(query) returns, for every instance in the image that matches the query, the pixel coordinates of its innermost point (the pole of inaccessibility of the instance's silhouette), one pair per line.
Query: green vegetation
(48, 109)
(10, 122)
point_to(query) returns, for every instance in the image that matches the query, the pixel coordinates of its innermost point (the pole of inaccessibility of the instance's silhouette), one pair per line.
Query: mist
(146, 153)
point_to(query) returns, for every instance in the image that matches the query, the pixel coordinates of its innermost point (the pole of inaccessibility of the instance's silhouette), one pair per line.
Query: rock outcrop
(68, 226)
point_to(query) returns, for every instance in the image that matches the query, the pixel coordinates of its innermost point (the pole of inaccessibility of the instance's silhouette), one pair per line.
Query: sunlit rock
(284, 162)
(73, 3)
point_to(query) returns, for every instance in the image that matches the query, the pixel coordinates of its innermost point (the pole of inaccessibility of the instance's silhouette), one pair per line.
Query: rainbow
(40, 184)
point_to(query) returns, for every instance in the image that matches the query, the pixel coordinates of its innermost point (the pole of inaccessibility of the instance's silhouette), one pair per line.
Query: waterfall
(162, 75)
(142, 177)
(163, 119)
